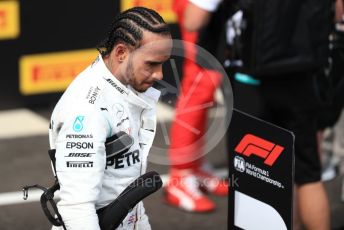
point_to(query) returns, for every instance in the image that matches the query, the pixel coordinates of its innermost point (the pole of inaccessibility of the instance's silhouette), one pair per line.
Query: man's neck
(111, 66)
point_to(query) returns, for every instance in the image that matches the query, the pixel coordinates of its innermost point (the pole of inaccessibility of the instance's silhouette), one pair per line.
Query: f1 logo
(251, 144)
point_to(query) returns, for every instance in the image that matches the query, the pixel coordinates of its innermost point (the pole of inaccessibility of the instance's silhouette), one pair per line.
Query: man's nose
(158, 75)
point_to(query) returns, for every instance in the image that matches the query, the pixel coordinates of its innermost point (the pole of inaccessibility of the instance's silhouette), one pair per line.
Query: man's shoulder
(86, 87)
(83, 94)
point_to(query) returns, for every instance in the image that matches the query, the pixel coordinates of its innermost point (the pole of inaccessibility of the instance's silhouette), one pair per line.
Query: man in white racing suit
(113, 94)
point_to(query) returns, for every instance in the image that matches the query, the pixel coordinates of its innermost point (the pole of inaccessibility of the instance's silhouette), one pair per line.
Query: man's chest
(126, 118)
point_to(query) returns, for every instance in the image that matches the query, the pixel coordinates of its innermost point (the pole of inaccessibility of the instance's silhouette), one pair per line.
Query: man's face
(144, 65)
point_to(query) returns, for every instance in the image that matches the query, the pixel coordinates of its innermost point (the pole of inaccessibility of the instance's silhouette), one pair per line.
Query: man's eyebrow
(155, 62)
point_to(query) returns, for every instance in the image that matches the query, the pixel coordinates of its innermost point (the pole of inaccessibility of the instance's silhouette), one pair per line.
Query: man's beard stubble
(131, 76)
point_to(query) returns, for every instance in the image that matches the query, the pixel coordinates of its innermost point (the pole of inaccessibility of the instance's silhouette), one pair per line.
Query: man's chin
(141, 90)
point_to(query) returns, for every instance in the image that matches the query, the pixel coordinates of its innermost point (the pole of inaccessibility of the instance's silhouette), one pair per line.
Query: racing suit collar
(151, 96)
(145, 100)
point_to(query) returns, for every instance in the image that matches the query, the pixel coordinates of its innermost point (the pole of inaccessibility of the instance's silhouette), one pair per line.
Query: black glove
(111, 216)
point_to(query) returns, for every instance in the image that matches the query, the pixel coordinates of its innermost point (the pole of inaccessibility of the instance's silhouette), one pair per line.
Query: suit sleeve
(80, 165)
(208, 5)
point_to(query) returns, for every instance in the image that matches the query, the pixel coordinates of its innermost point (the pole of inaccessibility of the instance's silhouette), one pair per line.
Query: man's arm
(198, 12)
(339, 10)
(80, 163)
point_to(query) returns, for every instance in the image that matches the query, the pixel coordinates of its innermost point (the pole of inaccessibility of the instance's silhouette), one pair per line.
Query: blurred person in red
(189, 170)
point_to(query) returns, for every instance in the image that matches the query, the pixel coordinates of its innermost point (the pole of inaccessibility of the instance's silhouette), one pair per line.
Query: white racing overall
(93, 108)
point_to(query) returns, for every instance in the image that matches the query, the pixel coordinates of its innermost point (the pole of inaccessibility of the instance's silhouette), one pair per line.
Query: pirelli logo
(79, 164)
(163, 7)
(52, 72)
(9, 20)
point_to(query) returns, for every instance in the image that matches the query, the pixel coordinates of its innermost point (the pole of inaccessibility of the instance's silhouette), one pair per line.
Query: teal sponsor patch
(77, 125)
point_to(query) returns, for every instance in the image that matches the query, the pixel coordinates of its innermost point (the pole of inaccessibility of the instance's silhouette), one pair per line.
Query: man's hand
(195, 17)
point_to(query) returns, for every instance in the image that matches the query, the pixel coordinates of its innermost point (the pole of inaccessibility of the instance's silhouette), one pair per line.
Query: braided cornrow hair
(128, 28)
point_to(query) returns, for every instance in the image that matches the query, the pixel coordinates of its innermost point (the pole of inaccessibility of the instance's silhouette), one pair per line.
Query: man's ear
(120, 52)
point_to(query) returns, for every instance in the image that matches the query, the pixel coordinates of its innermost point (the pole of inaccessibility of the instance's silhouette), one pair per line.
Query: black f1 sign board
(261, 159)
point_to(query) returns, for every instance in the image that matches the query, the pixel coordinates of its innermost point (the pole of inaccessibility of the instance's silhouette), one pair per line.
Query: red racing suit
(196, 96)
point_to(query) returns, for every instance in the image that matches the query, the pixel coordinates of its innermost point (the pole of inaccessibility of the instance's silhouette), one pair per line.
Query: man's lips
(149, 83)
